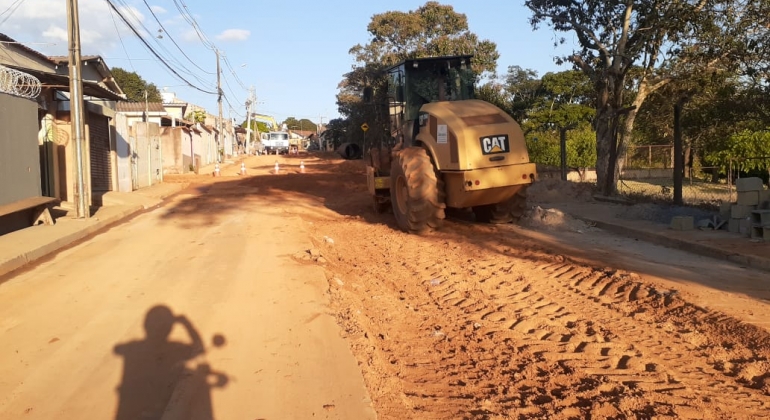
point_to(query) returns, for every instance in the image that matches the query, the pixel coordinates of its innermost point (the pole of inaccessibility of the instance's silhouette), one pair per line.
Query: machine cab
(416, 82)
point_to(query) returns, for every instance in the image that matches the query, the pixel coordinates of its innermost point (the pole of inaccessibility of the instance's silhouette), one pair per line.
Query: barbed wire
(18, 83)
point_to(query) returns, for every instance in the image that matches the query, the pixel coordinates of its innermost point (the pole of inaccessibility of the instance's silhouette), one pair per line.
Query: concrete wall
(123, 153)
(574, 176)
(147, 154)
(19, 149)
(590, 174)
(175, 141)
(648, 173)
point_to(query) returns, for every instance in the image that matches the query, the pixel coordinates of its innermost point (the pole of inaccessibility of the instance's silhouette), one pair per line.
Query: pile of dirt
(551, 190)
(553, 219)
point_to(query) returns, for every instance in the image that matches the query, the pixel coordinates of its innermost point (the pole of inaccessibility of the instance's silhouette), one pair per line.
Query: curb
(692, 247)
(21, 261)
(49, 249)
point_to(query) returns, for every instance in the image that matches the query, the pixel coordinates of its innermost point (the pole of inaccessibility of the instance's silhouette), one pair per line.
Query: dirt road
(474, 322)
(123, 326)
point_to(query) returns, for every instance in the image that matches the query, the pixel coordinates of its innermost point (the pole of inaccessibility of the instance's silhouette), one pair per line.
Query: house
(48, 128)
(152, 112)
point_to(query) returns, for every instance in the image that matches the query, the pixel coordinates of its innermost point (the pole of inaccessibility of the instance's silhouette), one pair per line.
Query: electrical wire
(172, 38)
(184, 12)
(10, 12)
(130, 62)
(237, 79)
(155, 53)
(171, 58)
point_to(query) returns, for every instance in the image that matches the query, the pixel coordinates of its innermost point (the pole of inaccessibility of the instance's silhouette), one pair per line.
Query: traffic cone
(276, 167)
(216, 170)
(243, 168)
(302, 167)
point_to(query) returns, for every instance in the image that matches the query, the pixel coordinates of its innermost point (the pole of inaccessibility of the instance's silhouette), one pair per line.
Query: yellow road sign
(364, 127)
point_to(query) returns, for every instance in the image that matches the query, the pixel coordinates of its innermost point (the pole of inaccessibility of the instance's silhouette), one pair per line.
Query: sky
(294, 53)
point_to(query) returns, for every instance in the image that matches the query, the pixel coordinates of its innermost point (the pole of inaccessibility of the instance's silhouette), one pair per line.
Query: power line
(183, 10)
(180, 67)
(10, 12)
(237, 79)
(146, 44)
(131, 63)
(172, 38)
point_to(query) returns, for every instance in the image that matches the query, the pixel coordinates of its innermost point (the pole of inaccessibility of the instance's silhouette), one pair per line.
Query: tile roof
(139, 107)
(63, 59)
(6, 39)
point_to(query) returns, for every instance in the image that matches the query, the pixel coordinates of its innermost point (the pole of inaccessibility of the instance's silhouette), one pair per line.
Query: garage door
(101, 171)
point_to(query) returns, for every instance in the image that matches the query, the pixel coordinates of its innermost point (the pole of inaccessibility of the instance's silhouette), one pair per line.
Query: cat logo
(495, 144)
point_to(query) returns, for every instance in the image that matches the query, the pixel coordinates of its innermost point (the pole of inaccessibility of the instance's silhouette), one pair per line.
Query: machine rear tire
(510, 211)
(416, 193)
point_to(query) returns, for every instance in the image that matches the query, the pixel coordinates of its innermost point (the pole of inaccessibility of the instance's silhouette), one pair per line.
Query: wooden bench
(39, 207)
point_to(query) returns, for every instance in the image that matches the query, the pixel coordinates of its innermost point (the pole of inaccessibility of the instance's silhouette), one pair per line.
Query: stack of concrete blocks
(683, 223)
(752, 196)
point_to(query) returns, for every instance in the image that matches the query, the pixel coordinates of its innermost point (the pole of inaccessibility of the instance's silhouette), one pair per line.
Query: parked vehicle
(276, 142)
(452, 150)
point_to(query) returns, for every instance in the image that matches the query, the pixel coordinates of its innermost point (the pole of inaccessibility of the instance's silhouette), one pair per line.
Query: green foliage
(749, 150)
(522, 87)
(300, 125)
(560, 99)
(336, 131)
(494, 93)
(198, 116)
(630, 49)
(431, 30)
(544, 148)
(581, 148)
(134, 86)
(256, 127)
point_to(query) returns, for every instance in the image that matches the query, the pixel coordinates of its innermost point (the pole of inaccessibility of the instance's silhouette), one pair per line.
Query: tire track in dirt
(475, 330)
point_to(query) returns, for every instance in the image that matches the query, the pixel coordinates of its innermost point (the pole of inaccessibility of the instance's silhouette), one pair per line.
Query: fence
(655, 156)
(702, 186)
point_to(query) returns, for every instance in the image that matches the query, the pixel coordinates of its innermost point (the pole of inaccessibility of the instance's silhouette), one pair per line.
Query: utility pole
(318, 130)
(248, 118)
(219, 101)
(77, 123)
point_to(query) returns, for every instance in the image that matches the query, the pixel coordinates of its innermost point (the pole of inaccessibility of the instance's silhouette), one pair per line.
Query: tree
(560, 100)
(431, 30)
(303, 124)
(198, 116)
(629, 49)
(134, 86)
(522, 86)
(336, 131)
(748, 150)
(581, 150)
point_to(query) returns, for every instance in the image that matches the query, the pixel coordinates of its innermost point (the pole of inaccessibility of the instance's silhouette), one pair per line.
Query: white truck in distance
(276, 142)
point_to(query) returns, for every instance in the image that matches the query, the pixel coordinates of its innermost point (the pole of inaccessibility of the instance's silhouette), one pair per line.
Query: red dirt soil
(483, 322)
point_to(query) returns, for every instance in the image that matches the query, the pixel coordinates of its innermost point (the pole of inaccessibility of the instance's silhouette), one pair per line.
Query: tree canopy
(432, 29)
(134, 86)
(629, 49)
(303, 124)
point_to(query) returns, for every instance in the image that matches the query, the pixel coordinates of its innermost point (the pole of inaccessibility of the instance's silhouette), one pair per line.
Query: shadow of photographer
(158, 381)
